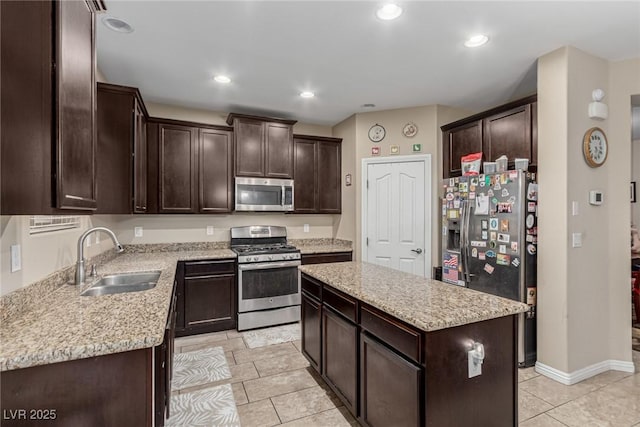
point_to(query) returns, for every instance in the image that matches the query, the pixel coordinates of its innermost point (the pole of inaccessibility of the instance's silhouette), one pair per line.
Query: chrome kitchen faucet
(80, 262)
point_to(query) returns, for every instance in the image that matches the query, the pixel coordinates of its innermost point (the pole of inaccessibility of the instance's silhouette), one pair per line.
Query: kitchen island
(396, 347)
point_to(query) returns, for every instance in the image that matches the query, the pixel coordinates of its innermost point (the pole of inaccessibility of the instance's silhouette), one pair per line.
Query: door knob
(418, 251)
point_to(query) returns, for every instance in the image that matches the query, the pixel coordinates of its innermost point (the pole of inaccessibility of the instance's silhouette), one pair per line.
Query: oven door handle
(268, 265)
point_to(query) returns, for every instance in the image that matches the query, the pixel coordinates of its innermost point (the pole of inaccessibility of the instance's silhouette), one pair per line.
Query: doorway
(396, 213)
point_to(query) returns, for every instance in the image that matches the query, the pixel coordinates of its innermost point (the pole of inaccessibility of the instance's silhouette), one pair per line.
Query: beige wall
(583, 293)
(42, 254)
(357, 146)
(635, 176)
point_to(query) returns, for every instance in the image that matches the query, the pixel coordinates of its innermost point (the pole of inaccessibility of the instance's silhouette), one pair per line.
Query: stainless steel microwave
(264, 194)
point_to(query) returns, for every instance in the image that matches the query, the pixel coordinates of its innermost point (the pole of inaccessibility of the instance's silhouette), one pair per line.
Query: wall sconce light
(598, 110)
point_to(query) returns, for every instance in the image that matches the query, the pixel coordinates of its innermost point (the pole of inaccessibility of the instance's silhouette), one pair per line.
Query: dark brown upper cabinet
(122, 150)
(510, 130)
(317, 174)
(190, 167)
(263, 146)
(48, 106)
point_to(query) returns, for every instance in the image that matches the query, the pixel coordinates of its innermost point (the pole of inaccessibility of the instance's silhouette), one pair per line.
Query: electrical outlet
(137, 231)
(475, 368)
(16, 261)
(306, 228)
(209, 230)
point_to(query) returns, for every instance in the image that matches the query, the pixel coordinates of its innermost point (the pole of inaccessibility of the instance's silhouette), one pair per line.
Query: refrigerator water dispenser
(453, 235)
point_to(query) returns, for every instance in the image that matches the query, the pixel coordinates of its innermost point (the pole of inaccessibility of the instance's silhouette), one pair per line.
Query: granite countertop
(427, 304)
(60, 325)
(321, 246)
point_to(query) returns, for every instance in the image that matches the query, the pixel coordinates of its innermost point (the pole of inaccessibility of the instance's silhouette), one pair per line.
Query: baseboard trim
(584, 373)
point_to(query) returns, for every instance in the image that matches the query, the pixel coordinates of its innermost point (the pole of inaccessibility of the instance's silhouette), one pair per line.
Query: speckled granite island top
(61, 325)
(426, 304)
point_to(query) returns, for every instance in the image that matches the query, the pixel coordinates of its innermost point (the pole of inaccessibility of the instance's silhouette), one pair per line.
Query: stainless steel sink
(125, 282)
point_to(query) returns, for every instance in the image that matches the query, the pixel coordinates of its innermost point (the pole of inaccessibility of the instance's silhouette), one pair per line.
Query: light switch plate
(575, 208)
(209, 230)
(137, 231)
(16, 260)
(576, 239)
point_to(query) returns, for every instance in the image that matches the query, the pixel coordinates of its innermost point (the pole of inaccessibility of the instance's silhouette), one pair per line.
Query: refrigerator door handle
(463, 241)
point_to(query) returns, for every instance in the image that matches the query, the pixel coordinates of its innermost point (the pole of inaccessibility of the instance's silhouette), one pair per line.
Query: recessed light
(476, 41)
(307, 94)
(116, 24)
(222, 79)
(389, 11)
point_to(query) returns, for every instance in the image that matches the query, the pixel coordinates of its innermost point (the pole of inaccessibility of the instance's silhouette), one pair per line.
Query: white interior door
(396, 216)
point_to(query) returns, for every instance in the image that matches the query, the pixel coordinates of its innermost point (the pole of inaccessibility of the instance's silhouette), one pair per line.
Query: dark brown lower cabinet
(390, 386)
(340, 356)
(130, 388)
(312, 330)
(207, 299)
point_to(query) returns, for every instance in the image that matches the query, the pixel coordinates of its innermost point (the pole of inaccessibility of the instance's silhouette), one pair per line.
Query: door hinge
(367, 184)
(367, 241)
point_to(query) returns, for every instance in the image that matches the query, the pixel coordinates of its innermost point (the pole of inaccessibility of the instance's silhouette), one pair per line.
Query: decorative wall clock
(377, 133)
(410, 130)
(595, 147)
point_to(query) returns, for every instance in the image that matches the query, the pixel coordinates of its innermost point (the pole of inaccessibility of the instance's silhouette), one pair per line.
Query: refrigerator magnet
(478, 244)
(474, 181)
(504, 178)
(531, 206)
(493, 224)
(515, 262)
(502, 249)
(492, 244)
(503, 259)
(503, 237)
(474, 252)
(456, 204)
(482, 256)
(530, 220)
(489, 268)
(531, 249)
(513, 174)
(505, 192)
(529, 238)
(490, 193)
(514, 246)
(484, 223)
(532, 191)
(504, 225)
(497, 186)
(484, 235)
(490, 254)
(493, 235)
(504, 207)
(472, 195)
(464, 187)
(449, 196)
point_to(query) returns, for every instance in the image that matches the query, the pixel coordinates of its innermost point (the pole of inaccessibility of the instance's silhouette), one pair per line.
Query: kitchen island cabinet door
(305, 175)
(311, 330)
(459, 142)
(177, 155)
(340, 357)
(215, 171)
(390, 386)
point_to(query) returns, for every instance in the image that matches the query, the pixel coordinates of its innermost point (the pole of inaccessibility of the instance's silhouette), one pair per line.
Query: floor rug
(274, 335)
(199, 367)
(209, 407)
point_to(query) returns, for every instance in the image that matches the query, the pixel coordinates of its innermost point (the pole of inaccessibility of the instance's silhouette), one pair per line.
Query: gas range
(262, 243)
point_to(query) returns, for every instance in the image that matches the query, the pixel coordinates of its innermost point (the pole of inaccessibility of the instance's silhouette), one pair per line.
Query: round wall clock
(377, 133)
(410, 130)
(594, 147)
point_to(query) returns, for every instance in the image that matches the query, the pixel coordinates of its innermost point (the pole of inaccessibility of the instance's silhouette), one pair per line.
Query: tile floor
(274, 385)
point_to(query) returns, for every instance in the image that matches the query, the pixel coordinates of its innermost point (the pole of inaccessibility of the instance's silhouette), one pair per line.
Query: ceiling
(273, 50)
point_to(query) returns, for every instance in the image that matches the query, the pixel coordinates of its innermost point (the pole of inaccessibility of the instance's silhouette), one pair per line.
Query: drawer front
(403, 338)
(341, 303)
(204, 268)
(328, 257)
(311, 287)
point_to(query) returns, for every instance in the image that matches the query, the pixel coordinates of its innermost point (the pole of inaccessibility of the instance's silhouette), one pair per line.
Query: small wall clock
(410, 130)
(377, 133)
(595, 147)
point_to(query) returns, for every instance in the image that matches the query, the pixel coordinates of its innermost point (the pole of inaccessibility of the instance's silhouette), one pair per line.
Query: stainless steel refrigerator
(490, 240)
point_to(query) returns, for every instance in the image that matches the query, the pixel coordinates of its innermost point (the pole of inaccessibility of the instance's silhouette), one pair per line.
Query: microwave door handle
(282, 196)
